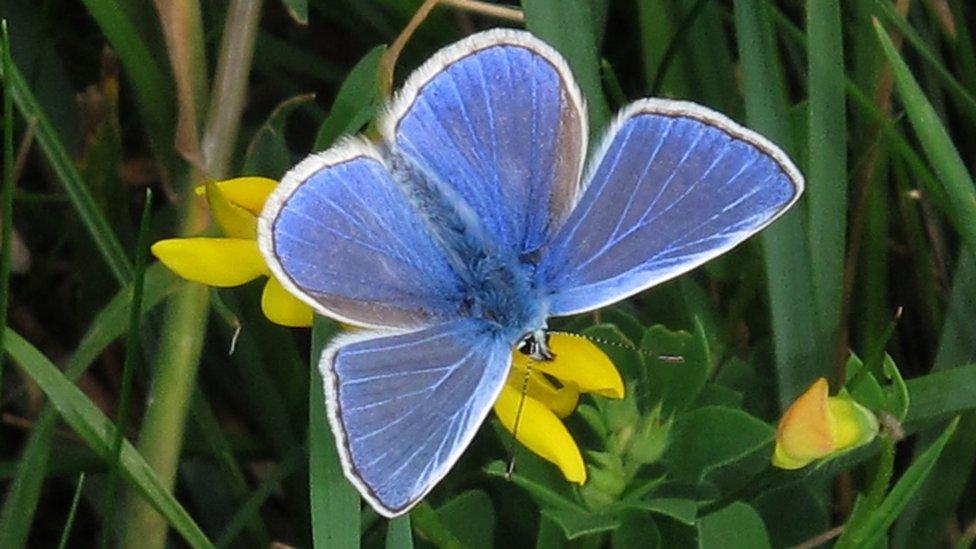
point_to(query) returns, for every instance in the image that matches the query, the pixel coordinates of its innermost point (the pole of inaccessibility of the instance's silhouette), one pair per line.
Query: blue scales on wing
(404, 407)
(676, 185)
(499, 121)
(345, 238)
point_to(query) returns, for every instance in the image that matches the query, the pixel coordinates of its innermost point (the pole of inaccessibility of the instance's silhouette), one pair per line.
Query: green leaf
(735, 526)
(98, 432)
(827, 167)
(675, 385)
(709, 437)
(268, 154)
(545, 496)
(801, 356)
(621, 350)
(941, 394)
(897, 399)
(793, 514)
(577, 524)
(636, 531)
(870, 527)
(67, 173)
(938, 146)
(684, 511)
(355, 102)
(70, 521)
(568, 26)
(335, 503)
(471, 516)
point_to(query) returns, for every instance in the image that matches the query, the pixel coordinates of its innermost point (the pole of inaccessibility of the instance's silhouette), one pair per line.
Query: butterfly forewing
(339, 233)
(674, 186)
(499, 120)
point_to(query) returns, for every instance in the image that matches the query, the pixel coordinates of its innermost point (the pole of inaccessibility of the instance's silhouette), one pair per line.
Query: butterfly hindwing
(403, 407)
(340, 234)
(674, 185)
(499, 119)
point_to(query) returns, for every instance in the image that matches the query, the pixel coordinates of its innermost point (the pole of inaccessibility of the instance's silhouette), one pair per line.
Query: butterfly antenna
(670, 359)
(518, 418)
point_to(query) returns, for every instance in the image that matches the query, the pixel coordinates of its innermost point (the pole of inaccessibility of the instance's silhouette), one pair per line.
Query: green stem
(185, 324)
(7, 211)
(882, 476)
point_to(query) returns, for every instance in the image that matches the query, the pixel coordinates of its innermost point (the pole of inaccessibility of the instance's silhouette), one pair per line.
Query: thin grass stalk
(185, 323)
(70, 521)
(827, 171)
(132, 351)
(7, 206)
(800, 354)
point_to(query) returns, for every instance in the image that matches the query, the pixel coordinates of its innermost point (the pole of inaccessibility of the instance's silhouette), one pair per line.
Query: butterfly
(471, 222)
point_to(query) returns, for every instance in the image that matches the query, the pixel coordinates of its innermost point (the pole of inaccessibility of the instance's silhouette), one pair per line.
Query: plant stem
(175, 371)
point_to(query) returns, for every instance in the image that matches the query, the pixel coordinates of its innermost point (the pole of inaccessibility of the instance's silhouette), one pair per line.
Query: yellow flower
(235, 259)
(579, 366)
(816, 426)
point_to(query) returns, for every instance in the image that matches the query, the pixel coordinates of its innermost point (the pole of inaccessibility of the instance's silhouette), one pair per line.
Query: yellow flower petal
(853, 424)
(219, 262)
(541, 432)
(283, 308)
(249, 193)
(580, 362)
(805, 432)
(235, 221)
(562, 401)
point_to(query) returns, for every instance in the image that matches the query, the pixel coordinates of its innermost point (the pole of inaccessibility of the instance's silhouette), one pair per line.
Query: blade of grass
(69, 522)
(398, 533)
(567, 25)
(335, 503)
(964, 98)
(98, 432)
(254, 502)
(67, 173)
(827, 171)
(935, 141)
(7, 204)
(800, 352)
(23, 494)
(131, 356)
(876, 524)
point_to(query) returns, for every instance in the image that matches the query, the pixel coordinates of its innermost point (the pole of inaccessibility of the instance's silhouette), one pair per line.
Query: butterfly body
(471, 222)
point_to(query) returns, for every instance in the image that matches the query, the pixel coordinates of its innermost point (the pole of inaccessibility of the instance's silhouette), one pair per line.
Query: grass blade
(24, 492)
(797, 342)
(69, 522)
(132, 350)
(567, 25)
(941, 152)
(957, 90)
(67, 173)
(335, 503)
(399, 534)
(7, 204)
(870, 532)
(98, 432)
(827, 172)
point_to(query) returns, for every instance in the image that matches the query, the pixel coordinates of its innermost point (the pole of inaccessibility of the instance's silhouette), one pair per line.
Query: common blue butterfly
(471, 222)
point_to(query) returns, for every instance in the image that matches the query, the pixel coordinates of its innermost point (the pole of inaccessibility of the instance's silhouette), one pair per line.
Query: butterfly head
(535, 345)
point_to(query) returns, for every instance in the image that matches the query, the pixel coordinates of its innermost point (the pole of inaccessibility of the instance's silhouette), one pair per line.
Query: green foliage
(874, 104)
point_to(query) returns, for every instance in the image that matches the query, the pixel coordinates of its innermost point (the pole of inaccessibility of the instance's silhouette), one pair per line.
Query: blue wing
(675, 185)
(499, 120)
(404, 407)
(340, 234)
